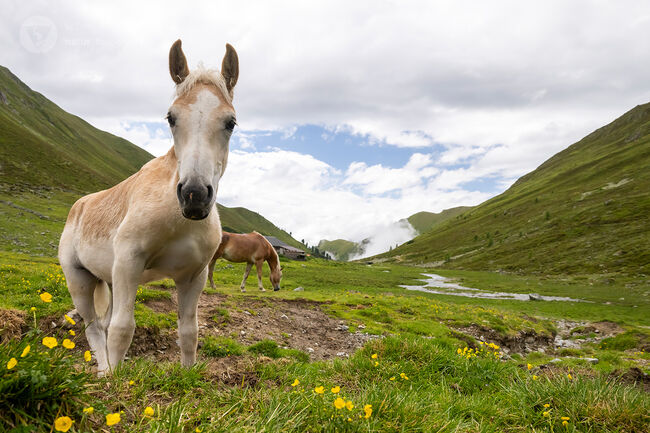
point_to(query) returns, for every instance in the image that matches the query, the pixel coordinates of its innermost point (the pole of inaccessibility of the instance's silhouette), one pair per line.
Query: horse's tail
(102, 299)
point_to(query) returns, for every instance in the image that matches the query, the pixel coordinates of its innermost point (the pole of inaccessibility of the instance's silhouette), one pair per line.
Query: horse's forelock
(206, 76)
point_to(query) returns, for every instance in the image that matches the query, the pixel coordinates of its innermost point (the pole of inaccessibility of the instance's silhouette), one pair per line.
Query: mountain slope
(585, 210)
(341, 249)
(43, 145)
(425, 221)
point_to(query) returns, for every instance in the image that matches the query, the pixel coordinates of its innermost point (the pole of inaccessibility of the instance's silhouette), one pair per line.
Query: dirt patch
(296, 324)
(634, 376)
(522, 342)
(232, 371)
(12, 323)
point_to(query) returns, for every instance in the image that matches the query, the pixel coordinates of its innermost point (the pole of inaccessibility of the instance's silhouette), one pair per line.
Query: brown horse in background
(250, 248)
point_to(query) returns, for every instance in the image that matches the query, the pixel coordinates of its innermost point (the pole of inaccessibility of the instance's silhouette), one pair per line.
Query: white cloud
(387, 237)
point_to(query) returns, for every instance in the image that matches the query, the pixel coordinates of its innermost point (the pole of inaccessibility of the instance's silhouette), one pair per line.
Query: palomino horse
(250, 248)
(160, 222)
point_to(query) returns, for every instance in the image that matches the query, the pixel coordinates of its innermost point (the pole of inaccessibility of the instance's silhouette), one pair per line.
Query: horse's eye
(171, 119)
(230, 124)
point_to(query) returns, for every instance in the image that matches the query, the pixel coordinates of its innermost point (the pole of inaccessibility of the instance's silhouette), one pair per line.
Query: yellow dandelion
(565, 418)
(319, 390)
(71, 332)
(198, 430)
(89, 410)
(403, 376)
(373, 356)
(565, 423)
(459, 351)
(45, 297)
(535, 377)
(70, 320)
(32, 309)
(50, 342)
(131, 382)
(392, 378)
(368, 410)
(25, 351)
(63, 423)
(569, 376)
(12, 363)
(349, 405)
(87, 356)
(148, 411)
(295, 383)
(113, 418)
(530, 366)
(336, 390)
(339, 403)
(547, 405)
(68, 344)
(376, 363)
(545, 413)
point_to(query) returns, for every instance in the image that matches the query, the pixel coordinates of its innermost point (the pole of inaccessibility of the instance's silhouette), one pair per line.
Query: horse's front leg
(127, 271)
(258, 265)
(189, 292)
(243, 281)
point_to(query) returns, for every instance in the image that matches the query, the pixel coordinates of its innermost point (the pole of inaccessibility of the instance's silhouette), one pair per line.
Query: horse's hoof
(243, 290)
(277, 289)
(262, 289)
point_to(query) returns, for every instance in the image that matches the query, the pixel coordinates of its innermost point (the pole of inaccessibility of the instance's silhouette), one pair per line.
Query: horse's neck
(272, 259)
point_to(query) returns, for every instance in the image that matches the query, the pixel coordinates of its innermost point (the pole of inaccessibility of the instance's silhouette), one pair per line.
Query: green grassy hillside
(425, 221)
(585, 210)
(43, 145)
(341, 248)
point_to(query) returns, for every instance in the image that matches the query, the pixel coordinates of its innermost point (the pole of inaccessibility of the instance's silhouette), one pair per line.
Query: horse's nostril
(210, 192)
(179, 188)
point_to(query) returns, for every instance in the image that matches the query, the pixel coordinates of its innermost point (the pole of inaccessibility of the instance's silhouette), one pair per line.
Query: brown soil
(522, 342)
(12, 323)
(633, 376)
(297, 324)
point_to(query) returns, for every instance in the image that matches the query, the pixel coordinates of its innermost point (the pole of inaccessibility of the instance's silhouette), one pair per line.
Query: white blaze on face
(201, 137)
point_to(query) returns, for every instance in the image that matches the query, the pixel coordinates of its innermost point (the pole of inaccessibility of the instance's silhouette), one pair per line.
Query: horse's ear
(230, 67)
(178, 63)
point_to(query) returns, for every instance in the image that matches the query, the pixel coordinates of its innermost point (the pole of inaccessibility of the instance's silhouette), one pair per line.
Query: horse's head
(276, 276)
(202, 119)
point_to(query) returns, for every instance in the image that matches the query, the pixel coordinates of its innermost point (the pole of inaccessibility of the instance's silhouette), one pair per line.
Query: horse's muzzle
(195, 200)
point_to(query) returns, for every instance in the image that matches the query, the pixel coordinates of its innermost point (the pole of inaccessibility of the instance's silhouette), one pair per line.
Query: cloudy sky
(352, 114)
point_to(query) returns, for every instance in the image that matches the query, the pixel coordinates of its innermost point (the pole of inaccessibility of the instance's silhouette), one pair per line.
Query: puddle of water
(439, 285)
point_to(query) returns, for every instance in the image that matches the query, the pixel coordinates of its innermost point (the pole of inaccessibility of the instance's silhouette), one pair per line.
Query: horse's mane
(206, 76)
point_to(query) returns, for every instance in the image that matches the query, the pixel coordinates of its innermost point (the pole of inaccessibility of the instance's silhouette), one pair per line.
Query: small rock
(247, 312)
(242, 332)
(591, 360)
(310, 350)
(299, 289)
(361, 326)
(53, 324)
(284, 316)
(342, 354)
(555, 360)
(342, 328)
(534, 297)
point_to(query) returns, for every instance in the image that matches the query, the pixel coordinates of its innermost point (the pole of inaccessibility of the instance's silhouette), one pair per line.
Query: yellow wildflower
(336, 390)
(545, 413)
(50, 342)
(403, 376)
(89, 410)
(569, 376)
(25, 351)
(547, 405)
(339, 403)
(32, 309)
(376, 363)
(373, 356)
(113, 418)
(70, 319)
(148, 411)
(565, 423)
(68, 344)
(565, 418)
(71, 332)
(535, 377)
(295, 383)
(319, 390)
(45, 297)
(368, 410)
(459, 351)
(530, 366)
(198, 430)
(349, 405)
(12, 363)
(63, 423)
(87, 356)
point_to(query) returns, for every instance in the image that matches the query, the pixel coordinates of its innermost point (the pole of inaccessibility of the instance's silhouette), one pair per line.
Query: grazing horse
(160, 222)
(250, 248)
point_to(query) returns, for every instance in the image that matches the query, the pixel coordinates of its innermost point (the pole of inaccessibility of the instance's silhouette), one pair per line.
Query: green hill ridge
(425, 221)
(584, 210)
(49, 158)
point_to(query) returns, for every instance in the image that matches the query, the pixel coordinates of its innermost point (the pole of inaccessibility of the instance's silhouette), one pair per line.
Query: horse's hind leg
(259, 266)
(188, 328)
(211, 272)
(243, 282)
(82, 286)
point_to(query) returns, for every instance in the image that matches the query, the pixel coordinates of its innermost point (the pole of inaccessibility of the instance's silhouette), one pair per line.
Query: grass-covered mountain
(425, 221)
(585, 210)
(49, 158)
(43, 145)
(341, 249)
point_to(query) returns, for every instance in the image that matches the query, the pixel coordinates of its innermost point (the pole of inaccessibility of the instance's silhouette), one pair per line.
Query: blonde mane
(206, 76)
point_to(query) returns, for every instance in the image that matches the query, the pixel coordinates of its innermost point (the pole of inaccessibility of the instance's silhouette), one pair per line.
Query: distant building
(285, 249)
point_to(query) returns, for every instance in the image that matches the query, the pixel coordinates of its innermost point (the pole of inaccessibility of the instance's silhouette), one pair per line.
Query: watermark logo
(38, 34)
